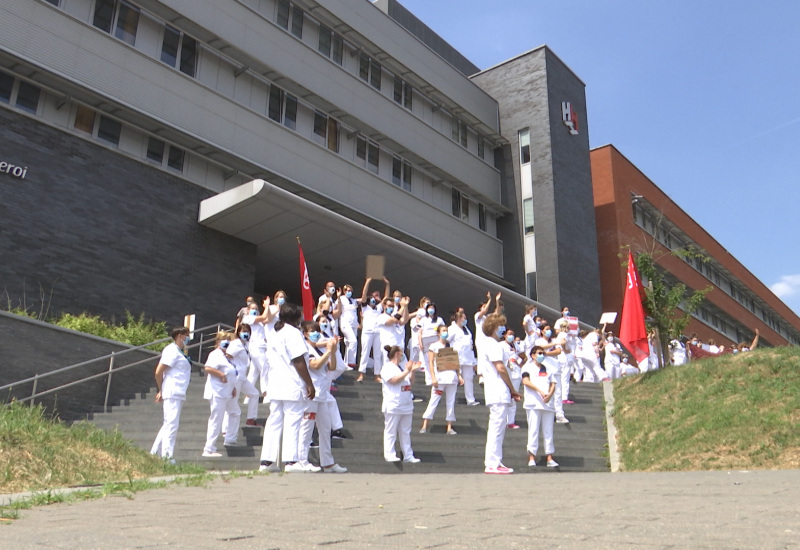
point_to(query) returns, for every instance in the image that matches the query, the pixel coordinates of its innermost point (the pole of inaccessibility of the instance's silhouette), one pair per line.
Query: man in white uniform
(172, 379)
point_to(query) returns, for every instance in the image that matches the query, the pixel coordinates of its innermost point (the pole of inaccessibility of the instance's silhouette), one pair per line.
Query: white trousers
(397, 427)
(164, 445)
(511, 415)
(316, 414)
(558, 396)
(468, 374)
(370, 341)
(495, 433)
(566, 372)
(282, 430)
(540, 421)
(592, 371)
(219, 406)
(423, 356)
(350, 343)
(449, 391)
(644, 364)
(335, 415)
(258, 374)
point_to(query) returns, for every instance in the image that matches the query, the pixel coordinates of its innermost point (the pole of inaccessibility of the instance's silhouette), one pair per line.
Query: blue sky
(703, 97)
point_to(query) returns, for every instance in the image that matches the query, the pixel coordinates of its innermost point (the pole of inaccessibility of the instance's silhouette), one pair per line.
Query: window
(282, 107)
(369, 153)
(464, 208)
(290, 18)
(326, 131)
(6, 85)
(482, 217)
(84, 119)
(456, 202)
(459, 131)
(331, 44)
(297, 22)
(524, 146)
(178, 49)
(370, 71)
(155, 150)
(119, 15)
(109, 130)
(481, 148)
(401, 173)
(28, 97)
(175, 158)
(402, 92)
(290, 112)
(282, 17)
(527, 215)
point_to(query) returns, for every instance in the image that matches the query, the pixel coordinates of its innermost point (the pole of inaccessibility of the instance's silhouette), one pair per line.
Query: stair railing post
(108, 381)
(35, 384)
(200, 351)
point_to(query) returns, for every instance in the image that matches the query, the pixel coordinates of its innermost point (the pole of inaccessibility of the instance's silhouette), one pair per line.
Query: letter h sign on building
(13, 170)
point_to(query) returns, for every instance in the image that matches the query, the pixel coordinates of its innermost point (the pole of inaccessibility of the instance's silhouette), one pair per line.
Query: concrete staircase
(581, 445)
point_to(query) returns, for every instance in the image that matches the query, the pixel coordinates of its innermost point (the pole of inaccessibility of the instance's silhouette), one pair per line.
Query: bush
(133, 331)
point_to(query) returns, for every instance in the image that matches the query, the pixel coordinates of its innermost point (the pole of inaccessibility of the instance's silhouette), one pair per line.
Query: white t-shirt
(542, 381)
(461, 340)
(177, 373)
(397, 398)
(240, 356)
(429, 326)
(512, 361)
(349, 307)
(369, 317)
(214, 386)
(320, 378)
(446, 376)
(678, 352)
(257, 331)
(530, 325)
(494, 388)
(390, 335)
(284, 383)
(553, 365)
(269, 327)
(612, 359)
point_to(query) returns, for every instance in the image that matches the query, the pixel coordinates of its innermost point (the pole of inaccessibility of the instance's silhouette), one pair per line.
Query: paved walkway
(589, 511)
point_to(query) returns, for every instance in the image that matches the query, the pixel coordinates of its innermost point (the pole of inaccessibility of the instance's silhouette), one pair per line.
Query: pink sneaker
(513, 427)
(568, 402)
(499, 470)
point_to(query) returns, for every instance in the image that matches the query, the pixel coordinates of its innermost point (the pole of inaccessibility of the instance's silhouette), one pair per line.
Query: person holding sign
(398, 405)
(445, 377)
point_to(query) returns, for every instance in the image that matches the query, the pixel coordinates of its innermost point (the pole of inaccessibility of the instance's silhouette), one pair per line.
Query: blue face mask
(280, 301)
(510, 338)
(245, 336)
(314, 336)
(186, 341)
(372, 301)
(389, 310)
(253, 312)
(566, 314)
(431, 311)
(324, 326)
(224, 344)
(397, 299)
(540, 357)
(501, 330)
(349, 293)
(443, 335)
(548, 333)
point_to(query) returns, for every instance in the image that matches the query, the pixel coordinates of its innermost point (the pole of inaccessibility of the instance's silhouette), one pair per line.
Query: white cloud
(787, 286)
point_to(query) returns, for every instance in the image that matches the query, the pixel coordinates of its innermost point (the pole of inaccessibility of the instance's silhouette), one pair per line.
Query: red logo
(569, 117)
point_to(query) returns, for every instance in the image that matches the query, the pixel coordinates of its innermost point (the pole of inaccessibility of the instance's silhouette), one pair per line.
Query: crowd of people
(276, 357)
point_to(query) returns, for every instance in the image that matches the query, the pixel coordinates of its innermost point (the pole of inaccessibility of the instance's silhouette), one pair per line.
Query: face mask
(510, 339)
(224, 344)
(389, 310)
(540, 357)
(548, 333)
(538, 324)
(253, 312)
(443, 335)
(245, 336)
(186, 341)
(331, 290)
(431, 311)
(349, 294)
(314, 336)
(397, 299)
(566, 313)
(372, 301)
(324, 326)
(500, 331)
(281, 301)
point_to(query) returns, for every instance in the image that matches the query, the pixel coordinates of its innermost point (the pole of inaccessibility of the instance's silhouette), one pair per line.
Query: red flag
(305, 285)
(632, 332)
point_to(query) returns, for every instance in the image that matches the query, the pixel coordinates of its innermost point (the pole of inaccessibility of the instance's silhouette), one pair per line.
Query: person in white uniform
(172, 379)
(290, 386)
(257, 346)
(589, 356)
(514, 358)
(320, 363)
(566, 359)
(348, 324)
(613, 358)
(539, 390)
(428, 334)
(220, 390)
(370, 339)
(552, 350)
(461, 339)
(480, 317)
(391, 327)
(341, 367)
(443, 382)
(677, 348)
(529, 326)
(498, 390)
(397, 406)
(239, 352)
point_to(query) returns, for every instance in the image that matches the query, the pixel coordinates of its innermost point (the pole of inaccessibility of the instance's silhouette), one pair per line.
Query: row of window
(461, 208)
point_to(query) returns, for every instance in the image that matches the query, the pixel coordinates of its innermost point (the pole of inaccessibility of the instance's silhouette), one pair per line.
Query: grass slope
(37, 453)
(734, 412)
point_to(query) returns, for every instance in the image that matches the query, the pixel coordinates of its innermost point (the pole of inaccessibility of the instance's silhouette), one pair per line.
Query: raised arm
(388, 290)
(367, 281)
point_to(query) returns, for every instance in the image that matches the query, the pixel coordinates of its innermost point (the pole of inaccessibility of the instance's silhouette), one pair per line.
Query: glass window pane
(482, 217)
(275, 103)
(454, 129)
(175, 159)
(375, 75)
(54, 2)
(527, 215)
(84, 119)
(127, 23)
(407, 95)
(373, 158)
(480, 147)
(324, 46)
(155, 150)
(320, 124)
(6, 85)
(188, 55)
(28, 97)
(290, 117)
(333, 135)
(462, 128)
(525, 154)
(456, 202)
(464, 208)
(297, 22)
(398, 90)
(283, 14)
(103, 14)
(338, 49)
(361, 148)
(397, 171)
(407, 176)
(169, 46)
(109, 130)
(363, 67)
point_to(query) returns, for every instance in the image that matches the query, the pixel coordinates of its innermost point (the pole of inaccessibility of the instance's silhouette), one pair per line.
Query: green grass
(734, 412)
(38, 453)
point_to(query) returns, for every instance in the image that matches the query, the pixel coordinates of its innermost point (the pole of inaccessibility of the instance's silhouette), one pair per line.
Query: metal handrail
(112, 357)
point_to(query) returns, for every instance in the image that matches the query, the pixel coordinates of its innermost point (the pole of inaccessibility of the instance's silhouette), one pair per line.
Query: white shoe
(271, 468)
(412, 460)
(532, 463)
(423, 430)
(335, 469)
(451, 431)
(308, 467)
(473, 403)
(295, 468)
(552, 463)
(207, 454)
(562, 420)
(392, 459)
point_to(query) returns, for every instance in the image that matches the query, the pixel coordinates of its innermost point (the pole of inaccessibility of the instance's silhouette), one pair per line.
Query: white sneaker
(473, 403)
(308, 467)
(532, 463)
(295, 468)
(335, 469)
(392, 459)
(271, 468)
(451, 431)
(412, 460)
(552, 463)
(423, 430)
(207, 454)
(562, 420)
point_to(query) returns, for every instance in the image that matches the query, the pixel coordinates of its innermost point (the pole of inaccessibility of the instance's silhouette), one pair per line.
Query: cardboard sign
(375, 266)
(447, 359)
(574, 325)
(608, 318)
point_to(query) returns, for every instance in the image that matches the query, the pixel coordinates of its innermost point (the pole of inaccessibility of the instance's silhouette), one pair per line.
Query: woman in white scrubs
(443, 382)
(515, 358)
(348, 324)
(461, 339)
(540, 387)
(221, 382)
(397, 406)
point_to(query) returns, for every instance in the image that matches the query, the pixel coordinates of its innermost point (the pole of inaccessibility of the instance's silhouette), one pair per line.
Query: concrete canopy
(335, 249)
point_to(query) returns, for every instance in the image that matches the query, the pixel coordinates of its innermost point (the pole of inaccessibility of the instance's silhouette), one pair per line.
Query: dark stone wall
(93, 230)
